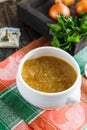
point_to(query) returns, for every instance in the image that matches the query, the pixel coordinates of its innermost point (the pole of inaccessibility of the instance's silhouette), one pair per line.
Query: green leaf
(55, 42)
(52, 33)
(74, 38)
(55, 27)
(60, 20)
(68, 30)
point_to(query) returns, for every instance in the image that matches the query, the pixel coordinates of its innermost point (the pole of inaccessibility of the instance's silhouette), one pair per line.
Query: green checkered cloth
(13, 109)
(81, 58)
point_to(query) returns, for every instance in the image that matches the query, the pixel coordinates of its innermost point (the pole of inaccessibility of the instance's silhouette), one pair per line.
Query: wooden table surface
(8, 18)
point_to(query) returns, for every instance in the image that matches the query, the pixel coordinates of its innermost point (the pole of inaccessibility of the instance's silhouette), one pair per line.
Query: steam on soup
(48, 74)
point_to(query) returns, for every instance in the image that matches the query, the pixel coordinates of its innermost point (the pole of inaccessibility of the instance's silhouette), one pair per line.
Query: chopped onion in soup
(48, 74)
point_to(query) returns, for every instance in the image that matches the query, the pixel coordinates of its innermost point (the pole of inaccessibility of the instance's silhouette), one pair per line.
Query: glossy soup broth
(48, 74)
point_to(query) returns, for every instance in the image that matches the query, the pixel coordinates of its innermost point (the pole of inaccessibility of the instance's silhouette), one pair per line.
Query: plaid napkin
(18, 114)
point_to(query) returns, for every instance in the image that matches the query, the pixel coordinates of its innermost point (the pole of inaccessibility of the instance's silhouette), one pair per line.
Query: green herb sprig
(67, 31)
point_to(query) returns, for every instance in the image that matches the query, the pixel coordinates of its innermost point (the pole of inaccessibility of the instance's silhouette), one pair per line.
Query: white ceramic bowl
(49, 100)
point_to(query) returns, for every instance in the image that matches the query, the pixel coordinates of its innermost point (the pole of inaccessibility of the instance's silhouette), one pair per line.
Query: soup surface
(48, 74)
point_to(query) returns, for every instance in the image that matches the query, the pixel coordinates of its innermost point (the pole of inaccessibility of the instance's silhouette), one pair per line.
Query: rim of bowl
(46, 93)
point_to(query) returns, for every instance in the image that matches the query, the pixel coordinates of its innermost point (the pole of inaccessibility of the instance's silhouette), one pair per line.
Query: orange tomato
(81, 6)
(59, 8)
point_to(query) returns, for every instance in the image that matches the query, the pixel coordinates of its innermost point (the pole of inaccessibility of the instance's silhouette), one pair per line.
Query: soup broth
(48, 74)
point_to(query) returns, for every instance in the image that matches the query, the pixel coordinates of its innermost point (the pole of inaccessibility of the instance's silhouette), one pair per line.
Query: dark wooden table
(8, 18)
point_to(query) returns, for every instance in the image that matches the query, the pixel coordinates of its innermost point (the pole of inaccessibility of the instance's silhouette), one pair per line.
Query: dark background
(9, 18)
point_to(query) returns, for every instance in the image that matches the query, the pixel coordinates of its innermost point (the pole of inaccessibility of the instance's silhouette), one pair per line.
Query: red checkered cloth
(18, 114)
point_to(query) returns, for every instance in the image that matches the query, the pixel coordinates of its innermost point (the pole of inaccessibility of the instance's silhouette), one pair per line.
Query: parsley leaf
(67, 31)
